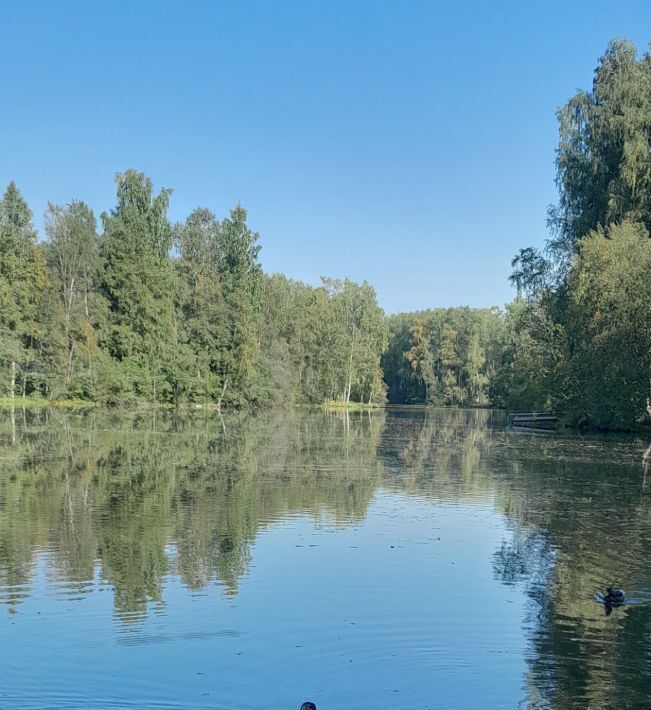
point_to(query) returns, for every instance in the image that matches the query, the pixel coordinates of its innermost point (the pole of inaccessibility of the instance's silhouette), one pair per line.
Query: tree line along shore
(137, 309)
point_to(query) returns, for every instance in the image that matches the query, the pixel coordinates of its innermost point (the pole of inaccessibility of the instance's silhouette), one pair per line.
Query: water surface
(399, 559)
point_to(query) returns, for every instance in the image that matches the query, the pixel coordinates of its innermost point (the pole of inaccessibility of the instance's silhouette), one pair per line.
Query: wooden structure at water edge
(532, 420)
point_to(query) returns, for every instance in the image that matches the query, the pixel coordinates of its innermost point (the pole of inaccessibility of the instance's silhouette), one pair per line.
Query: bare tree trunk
(24, 385)
(68, 376)
(86, 301)
(350, 367)
(92, 376)
(12, 382)
(221, 396)
(70, 299)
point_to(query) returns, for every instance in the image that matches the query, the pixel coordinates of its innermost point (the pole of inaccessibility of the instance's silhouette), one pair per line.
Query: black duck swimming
(611, 599)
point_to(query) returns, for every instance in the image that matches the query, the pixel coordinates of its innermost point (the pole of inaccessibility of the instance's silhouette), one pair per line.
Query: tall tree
(421, 358)
(603, 164)
(358, 339)
(200, 298)
(137, 280)
(562, 338)
(73, 255)
(608, 324)
(23, 279)
(240, 279)
(450, 356)
(474, 362)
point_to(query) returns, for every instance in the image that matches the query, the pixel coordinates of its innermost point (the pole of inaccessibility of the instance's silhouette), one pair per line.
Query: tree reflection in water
(135, 498)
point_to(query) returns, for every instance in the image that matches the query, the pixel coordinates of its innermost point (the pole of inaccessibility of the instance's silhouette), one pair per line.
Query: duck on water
(611, 599)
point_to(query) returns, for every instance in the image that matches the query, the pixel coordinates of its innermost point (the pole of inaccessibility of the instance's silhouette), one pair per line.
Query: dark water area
(392, 559)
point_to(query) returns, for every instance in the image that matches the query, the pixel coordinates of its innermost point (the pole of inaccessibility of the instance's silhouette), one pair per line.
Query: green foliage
(23, 281)
(419, 357)
(239, 274)
(604, 172)
(72, 252)
(357, 338)
(199, 300)
(580, 342)
(148, 312)
(609, 325)
(531, 273)
(444, 356)
(327, 341)
(532, 361)
(137, 278)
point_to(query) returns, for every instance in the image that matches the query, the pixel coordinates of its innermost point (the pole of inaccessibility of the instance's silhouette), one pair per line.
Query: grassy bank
(37, 402)
(132, 404)
(349, 406)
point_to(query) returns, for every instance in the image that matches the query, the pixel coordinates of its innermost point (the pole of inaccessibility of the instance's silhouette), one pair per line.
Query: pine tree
(23, 280)
(137, 279)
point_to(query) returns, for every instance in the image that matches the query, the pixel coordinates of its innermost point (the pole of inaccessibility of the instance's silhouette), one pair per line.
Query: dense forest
(577, 339)
(444, 356)
(157, 312)
(145, 310)
(580, 333)
(150, 311)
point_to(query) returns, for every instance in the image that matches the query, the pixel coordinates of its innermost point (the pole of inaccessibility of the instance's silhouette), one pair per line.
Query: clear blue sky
(407, 143)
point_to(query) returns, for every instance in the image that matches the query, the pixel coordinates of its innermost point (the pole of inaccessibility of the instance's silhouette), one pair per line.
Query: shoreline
(7, 403)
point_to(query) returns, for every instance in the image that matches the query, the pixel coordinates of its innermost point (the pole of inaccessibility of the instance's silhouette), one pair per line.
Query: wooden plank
(532, 419)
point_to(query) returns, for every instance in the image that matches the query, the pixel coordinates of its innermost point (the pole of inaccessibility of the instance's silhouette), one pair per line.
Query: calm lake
(392, 559)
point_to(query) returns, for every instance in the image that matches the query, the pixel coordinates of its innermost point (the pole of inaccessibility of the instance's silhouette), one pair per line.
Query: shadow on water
(128, 501)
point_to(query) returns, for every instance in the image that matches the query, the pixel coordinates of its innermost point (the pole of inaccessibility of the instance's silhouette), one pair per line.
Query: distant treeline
(445, 356)
(149, 311)
(146, 310)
